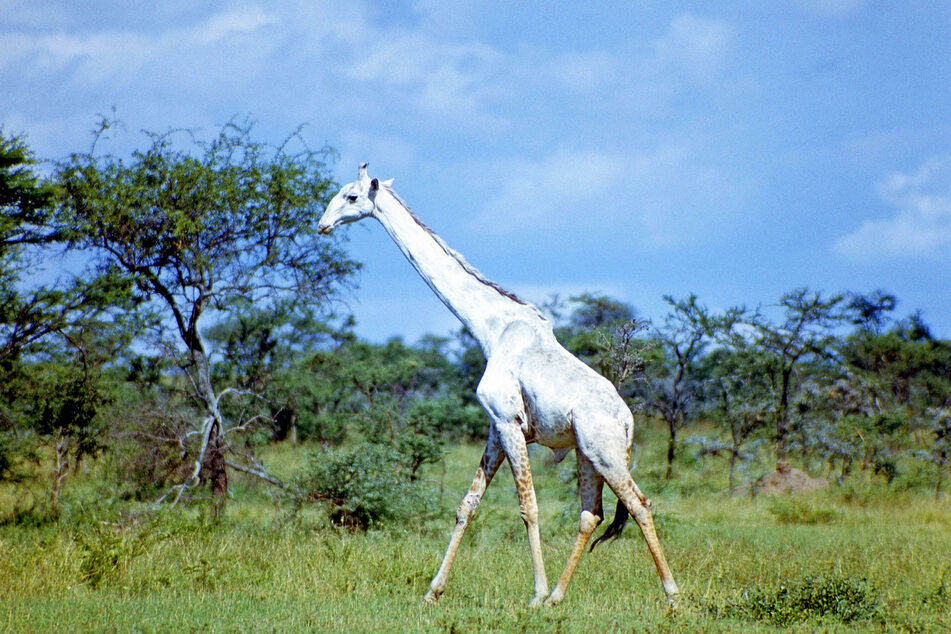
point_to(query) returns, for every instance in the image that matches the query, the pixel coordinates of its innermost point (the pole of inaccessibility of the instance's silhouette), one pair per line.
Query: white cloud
(584, 73)
(346, 62)
(28, 13)
(451, 81)
(631, 80)
(657, 198)
(479, 87)
(108, 57)
(696, 47)
(921, 224)
(549, 190)
(222, 25)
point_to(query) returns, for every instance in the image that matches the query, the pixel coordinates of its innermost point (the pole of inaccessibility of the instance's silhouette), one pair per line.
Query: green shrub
(320, 426)
(799, 512)
(941, 595)
(32, 515)
(917, 475)
(365, 487)
(844, 599)
(107, 552)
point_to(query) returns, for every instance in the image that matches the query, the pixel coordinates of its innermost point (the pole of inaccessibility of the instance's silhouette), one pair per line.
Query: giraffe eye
(352, 198)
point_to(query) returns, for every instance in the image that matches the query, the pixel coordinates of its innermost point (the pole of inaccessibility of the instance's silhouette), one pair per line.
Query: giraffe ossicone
(533, 390)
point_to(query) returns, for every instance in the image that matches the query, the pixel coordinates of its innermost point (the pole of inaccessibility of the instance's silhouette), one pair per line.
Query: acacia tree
(904, 377)
(605, 333)
(23, 201)
(804, 334)
(24, 205)
(672, 387)
(265, 351)
(196, 230)
(870, 312)
(939, 454)
(52, 335)
(736, 398)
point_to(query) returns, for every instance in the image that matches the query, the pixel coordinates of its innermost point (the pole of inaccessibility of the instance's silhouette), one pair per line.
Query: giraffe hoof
(552, 600)
(536, 602)
(431, 597)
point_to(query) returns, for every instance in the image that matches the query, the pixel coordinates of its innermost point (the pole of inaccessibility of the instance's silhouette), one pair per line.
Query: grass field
(854, 558)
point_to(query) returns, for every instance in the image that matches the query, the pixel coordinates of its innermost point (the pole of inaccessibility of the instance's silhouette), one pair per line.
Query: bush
(324, 427)
(107, 552)
(152, 453)
(844, 599)
(15, 453)
(450, 417)
(365, 487)
(799, 512)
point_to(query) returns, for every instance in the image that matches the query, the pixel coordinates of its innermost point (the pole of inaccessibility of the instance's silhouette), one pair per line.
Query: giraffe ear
(388, 183)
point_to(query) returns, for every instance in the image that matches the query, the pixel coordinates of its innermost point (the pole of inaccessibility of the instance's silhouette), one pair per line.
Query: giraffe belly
(543, 432)
(556, 387)
(549, 414)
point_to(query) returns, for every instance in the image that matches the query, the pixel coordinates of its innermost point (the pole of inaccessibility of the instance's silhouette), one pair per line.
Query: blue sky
(733, 150)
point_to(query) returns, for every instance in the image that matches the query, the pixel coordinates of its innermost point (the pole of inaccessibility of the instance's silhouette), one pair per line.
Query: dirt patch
(786, 479)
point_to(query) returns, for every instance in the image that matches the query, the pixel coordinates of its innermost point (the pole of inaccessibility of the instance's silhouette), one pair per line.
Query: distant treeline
(206, 322)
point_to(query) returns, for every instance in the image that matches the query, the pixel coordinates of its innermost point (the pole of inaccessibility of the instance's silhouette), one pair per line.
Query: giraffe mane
(458, 257)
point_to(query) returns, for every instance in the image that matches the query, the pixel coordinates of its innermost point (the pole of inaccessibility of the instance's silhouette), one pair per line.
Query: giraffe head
(353, 202)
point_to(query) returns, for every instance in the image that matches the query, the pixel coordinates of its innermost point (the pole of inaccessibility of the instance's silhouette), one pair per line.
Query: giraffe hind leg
(638, 506)
(607, 447)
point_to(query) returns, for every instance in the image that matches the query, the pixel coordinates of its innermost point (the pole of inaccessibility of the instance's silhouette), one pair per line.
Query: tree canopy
(198, 230)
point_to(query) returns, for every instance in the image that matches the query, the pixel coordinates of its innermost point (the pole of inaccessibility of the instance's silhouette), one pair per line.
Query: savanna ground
(860, 557)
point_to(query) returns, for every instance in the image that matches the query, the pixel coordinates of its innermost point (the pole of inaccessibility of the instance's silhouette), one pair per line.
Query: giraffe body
(533, 390)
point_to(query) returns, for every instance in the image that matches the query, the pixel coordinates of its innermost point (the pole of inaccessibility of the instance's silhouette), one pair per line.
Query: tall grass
(864, 557)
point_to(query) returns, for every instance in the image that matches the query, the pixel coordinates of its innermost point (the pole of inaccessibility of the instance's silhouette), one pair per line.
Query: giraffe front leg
(516, 451)
(490, 463)
(590, 485)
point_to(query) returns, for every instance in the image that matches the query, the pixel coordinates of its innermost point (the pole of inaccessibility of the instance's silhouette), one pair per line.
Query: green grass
(862, 558)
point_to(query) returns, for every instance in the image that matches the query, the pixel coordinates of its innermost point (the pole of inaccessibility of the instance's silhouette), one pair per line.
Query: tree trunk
(214, 459)
(782, 420)
(671, 450)
(59, 473)
(732, 468)
(217, 473)
(937, 488)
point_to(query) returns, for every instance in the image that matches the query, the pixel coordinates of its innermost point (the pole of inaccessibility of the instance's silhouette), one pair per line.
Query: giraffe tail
(613, 531)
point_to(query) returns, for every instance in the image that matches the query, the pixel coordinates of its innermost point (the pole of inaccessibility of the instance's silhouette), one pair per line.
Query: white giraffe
(533, 391)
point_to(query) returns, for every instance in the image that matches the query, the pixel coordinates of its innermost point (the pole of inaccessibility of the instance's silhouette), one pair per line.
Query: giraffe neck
(482, 306)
